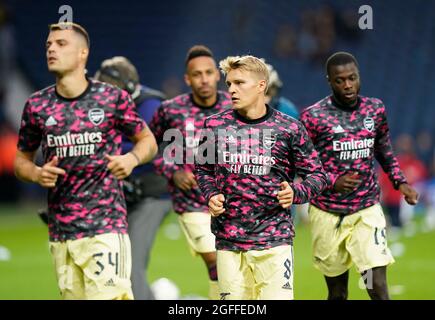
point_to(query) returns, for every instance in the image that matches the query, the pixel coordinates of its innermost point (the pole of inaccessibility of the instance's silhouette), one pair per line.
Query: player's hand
(184, 180)
(216, 205)
(285, 195)
(347, 182)
(121, 166)
(47, 175)
(410, 194)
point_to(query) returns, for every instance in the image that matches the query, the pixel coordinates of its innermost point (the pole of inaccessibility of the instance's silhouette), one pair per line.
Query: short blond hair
(247, 63)
(71, 26)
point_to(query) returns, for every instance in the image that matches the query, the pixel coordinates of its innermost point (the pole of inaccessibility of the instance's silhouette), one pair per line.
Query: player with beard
(350, 131)
(187, 113)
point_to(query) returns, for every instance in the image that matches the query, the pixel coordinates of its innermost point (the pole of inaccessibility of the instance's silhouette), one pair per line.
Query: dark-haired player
(186, 113)
(350, 131)
(78, 122)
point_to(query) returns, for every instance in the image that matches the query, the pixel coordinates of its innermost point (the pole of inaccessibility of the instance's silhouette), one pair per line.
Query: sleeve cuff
(333, 179)
(212, 194)
(397, 183)
(296, 194)
(171, 170)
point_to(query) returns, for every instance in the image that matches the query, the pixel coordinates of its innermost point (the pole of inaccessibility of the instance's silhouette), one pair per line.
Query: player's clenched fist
(348, 182)
(216, 205)
(285, 195)
(410, 194)
(47, 175)
(121, 166)
(184, 180)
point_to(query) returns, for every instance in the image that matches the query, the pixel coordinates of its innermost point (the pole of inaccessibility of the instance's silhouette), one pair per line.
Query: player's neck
(255, 111)
(344, 105)
(72, 84)
(205, 102)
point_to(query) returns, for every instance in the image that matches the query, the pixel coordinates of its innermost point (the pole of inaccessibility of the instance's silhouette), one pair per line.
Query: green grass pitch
(26, 270)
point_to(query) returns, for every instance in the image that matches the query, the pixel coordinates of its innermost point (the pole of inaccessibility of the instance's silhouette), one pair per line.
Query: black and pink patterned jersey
(88, 200)
(251, 159)
(186, 119)
(349, 140)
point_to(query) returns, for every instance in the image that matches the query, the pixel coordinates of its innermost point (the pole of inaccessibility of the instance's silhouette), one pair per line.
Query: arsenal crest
(369, 124)
(96, 116)
(269, 141)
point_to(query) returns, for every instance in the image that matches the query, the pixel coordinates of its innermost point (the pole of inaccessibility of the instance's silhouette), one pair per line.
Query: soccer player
(347, 223)
(79, 122)
(186, 113)
(256, 151)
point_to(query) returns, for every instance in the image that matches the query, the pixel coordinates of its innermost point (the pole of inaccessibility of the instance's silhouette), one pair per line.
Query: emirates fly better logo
(247, 151)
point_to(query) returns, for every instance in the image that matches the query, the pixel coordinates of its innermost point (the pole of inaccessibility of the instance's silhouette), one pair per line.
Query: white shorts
(94, 268)
(196, 228)
(256, 274)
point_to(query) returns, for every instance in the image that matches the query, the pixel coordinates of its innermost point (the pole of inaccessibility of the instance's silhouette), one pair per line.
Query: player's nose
(348, 84)
(231, 89)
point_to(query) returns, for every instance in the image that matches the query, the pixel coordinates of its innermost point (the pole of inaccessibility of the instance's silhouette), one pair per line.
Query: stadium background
(396, 63)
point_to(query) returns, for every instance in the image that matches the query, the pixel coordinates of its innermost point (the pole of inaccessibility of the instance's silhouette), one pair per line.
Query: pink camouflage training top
(252, 158)
(185, 116)
(349, 140)
(88, 200)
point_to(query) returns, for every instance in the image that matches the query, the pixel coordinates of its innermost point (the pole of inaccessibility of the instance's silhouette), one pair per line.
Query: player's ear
(187, 80)
(84, 53)
(262, 85)
(218, 74)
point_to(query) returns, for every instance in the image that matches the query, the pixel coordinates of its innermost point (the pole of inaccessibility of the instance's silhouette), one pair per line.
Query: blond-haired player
(250, 188)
